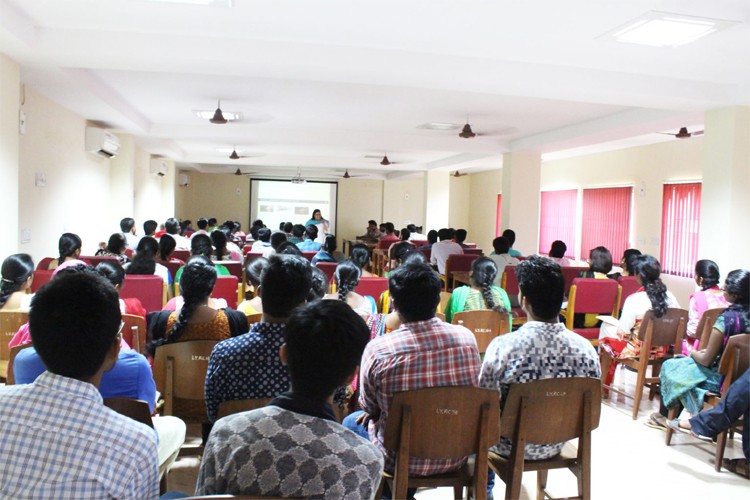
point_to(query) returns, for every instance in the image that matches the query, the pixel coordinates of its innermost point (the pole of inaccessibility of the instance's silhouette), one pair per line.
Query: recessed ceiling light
(210, 3)
(439, 126)
(665, 29)
(207, 114)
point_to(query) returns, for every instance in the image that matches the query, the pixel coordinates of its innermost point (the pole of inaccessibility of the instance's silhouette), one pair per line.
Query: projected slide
(281, 201)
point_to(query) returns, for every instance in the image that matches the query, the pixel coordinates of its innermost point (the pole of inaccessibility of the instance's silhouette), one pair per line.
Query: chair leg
(606, 362)
(541, 484)
(458, 493)
(639, 390)
(721, 443)
(671, 414)
(379, 493)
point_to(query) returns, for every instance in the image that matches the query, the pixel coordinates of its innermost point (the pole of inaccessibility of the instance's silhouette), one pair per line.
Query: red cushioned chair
(226, 288)
(44, 263)
(473, 251)
(95, 260)
(509, 283)
(570, 274)
(456, 262)
(329, 268)
(183, 255)
(592, 296)
(150, 290)
(373, 287)
(309, 255)
(41, 276)
(629, 286)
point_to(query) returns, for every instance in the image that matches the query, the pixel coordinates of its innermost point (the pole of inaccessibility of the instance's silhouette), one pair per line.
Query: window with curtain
(557, 220)
(680, 228)
(606, 220)
(499, 220)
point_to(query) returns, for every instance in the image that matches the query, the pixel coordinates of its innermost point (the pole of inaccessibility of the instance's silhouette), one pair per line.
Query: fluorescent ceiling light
(207, 114)
(439, 126)
(664, 29)
(210, 3)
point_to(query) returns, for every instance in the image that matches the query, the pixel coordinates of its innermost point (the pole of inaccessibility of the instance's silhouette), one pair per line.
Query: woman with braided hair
(347, 278)
(481, 294)
(17, 273)
(68, 247)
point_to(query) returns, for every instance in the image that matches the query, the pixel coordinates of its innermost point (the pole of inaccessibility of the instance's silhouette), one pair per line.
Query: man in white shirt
(173, 228)
(442, 249)
(127, 226)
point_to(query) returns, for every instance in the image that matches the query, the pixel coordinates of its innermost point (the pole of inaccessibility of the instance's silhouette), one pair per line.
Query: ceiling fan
(240, 172)
(458, 174)
(683, 133)
(466, 132)
(218, 117)
(235, 156)
(385, 161)
(347, 176)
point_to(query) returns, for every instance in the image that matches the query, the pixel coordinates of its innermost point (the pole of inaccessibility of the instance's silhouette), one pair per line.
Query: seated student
(116, 248)
(285, 284)
(432, 237)
(221, 247)
(372, 233)
(144, 262)
(327, 250)
(510, 235)
(557, 253)
(263, 242)
(173, 228)
(627, 263)
(278, 238)
(600, 264)
(287, 229)
(254, 271)
(115, 274)
(414, 234)
(347, 277)
(201, 245)
(45, 452)
(360, 255)
(166, 249)
(127, 227)
(69, 248)
(442, 249)
(202, 226)
(309, 244)
(289, 248)
(481, 294)
(710, 296)
(17, 275)
(390, 232)
(460, 237)
(295, 447)
(149, 228)
(298, 233)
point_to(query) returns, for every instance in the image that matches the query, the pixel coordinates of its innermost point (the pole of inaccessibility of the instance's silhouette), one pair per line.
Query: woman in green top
(481, 294)
(200, 244)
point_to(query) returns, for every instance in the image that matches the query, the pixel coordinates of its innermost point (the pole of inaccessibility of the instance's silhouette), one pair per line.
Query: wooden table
(461, 277)
(351, 242)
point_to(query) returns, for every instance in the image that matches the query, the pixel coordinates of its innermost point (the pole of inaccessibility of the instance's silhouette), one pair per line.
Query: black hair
(319, 285)
(202, 223)
(285, 283)
(324, 345)
(167, 244)
(298, 230)
(444, 234)
(289, 248)
(264, 234)
(412, 228)
(277, 239)
(737, 283)
(329, 245)
(143, 262)
(601, 260)
(501, 245)
(111, 271)
(67, 246)
(254, 270)
(509, 235)
(389, 227)
(347, 278)
(212, 221)
(360, 255)
(413, 256)
(74, 322)
(149, 227)
(172, 226)
(288, 227)
(372, 222)
(628, 260)
(311, 232)
(461, 235)
(404, 234)
(484, 271)
(542, 282)
(281, 226)
(452, 233)
(415, 290)
(648, 270)
(709, 271)
(219, 240)
(432, 236)
(200, 244)
(401, 249)
(127, 224)
(16, 270)
(116, 243)
(316, 211)
(558, 249)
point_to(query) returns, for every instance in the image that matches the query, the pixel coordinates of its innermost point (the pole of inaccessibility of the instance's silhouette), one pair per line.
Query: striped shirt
(418, 355)
(60, 441)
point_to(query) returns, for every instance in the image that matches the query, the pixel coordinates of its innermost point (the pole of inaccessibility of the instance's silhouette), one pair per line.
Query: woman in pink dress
(709, 296)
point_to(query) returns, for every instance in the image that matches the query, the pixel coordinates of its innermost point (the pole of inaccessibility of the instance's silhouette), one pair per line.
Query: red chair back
(427, 253)
(457, 262)
(384, 244)
(234, 268)
(182, 255)
(329, 268)
(374, 287)
(129, 252)
(173, 266)
(473, 251)
(44, 263)
(594, 295)
(148, 289)
(419, 243)
(309, 255)
(41, 276)
(629, 286)
(469, 245)
(95, 260)
(226, 288)
(509, 281)
(570, 274)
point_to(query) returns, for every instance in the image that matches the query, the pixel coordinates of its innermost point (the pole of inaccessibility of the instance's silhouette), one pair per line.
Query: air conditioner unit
(183, 180)
(101, 142)
(158, 166)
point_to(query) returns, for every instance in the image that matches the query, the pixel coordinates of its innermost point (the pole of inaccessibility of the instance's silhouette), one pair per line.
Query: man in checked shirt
(423, 352)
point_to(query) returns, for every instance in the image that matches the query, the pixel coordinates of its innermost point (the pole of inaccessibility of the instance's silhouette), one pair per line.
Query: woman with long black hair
(481, 294)
(17, 274)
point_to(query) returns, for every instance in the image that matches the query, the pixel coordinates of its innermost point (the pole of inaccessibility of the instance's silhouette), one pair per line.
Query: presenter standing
(321, 223)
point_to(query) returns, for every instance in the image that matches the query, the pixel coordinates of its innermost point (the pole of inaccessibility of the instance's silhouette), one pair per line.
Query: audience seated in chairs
(69, 248)
(253, 271)
(510, 235)
(482, 294)
(116, 248)
(710, 296)
(347, 277)
(144, 262)
(501, 257)
(327, 251)
(201, 245)
(557, 253)
(324, 344)
(17, 275)
(115, 274)
(442, 249)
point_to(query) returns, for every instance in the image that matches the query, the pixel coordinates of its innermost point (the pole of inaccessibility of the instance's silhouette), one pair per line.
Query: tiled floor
(630, 461)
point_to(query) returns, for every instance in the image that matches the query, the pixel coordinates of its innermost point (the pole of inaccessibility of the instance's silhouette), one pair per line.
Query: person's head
(372, 224)
(149, 227)
(444, 234)
(74, 323)
(737, 289)
(281, 226)
(219, 241)
(509, 235)
(298, 230)
(254, 270)
(277, 239)
(196, 284)
(200, 244)
(389, 227)
(144, 260)
(501, 245)
(412, 228)
(413, 256)
(542, 285)
(202, 223)
(167, 245)
(112, 272)
(706, 274)
(415, 291)
(401, 249)
(127, 224)
(432, 236)
(172, 226)
(600, 260)
(258, 223)
(382, 227)
(347, 278)
(69, 247)
(284, 284)
(211, 221)
(289, 248)
(361, 255)
(483, 273)
(558, 249)
(319, 285)
(329, 245)
(648, 272)
(185, 225)
(404, 234)
(17, 272)
(461, 235)
(628, 260)
(324, 345)
(288, 226)
(116, 243)
(148, 245)
(311, 232)
(264, 234)
(316, 215)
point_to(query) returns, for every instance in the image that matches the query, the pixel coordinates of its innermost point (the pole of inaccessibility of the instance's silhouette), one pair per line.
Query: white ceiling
(323, 84)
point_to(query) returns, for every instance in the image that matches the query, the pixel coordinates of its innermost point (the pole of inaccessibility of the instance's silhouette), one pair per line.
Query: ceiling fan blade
(218, 117)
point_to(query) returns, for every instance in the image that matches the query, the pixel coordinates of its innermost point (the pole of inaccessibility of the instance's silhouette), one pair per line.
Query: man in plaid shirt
(424, 352)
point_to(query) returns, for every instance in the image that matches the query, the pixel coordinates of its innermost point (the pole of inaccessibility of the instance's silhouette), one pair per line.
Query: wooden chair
(423, 423)
(590, 295)
(134, 332)
(10, 322)
(149, 289)
(374, 287)
(254, 318)
(10, 379)
(549, 411)
(444, 298)
(239, 405)
(654, 332)
(41, 277)
(456, 262)
(706, 324)
(227, 288)
(629, 286)
(485, 324)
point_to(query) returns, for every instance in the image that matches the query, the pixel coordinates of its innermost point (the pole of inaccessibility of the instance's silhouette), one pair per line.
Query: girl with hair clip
(622, 341)
(360, 255)
(69, 248)
(116, 247)
(253, 271)
(17, 275)
(709, 296)
(481, 294)
(347, 278)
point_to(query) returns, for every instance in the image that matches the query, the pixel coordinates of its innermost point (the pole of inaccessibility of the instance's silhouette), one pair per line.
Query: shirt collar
(72, 386)
(266, 327)
(304, 405)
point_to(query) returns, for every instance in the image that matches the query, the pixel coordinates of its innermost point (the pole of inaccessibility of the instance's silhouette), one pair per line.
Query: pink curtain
(606, 220)
(499, 220)
(680, 228)
(557, 220)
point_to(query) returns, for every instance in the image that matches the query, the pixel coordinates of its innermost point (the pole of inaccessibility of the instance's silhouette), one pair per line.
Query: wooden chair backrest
(484, 324)
(133, 408)
(180, 370)
(444, 298)
(134, 332)
(240, 405)
(736, 359)
(551, 410)
(149, 289)
(436, 413)
(706, 324)
(41, 277)
(10, 379)
(226, 288)
(10, 322)
(668, 330)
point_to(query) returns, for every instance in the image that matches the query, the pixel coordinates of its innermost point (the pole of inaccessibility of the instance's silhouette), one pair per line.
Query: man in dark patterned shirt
(294, 447)
(248, 366)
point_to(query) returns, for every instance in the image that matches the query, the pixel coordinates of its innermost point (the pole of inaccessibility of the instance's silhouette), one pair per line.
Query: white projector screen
(281, 201)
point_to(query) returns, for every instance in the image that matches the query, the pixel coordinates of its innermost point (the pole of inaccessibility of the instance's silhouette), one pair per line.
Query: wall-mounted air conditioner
(102, 143)
(158, 166)
(183, 180)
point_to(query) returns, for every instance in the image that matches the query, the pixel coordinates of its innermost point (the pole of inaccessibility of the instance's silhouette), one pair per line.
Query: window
(680, 227)
(499, 220)
(557, 220)
(606, 220)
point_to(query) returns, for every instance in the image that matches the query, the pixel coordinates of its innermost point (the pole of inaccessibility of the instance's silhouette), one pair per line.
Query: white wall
(226, 197)
(9, 154)
(484, 188)
(404, 201)
(359, 201)
(153, 194)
